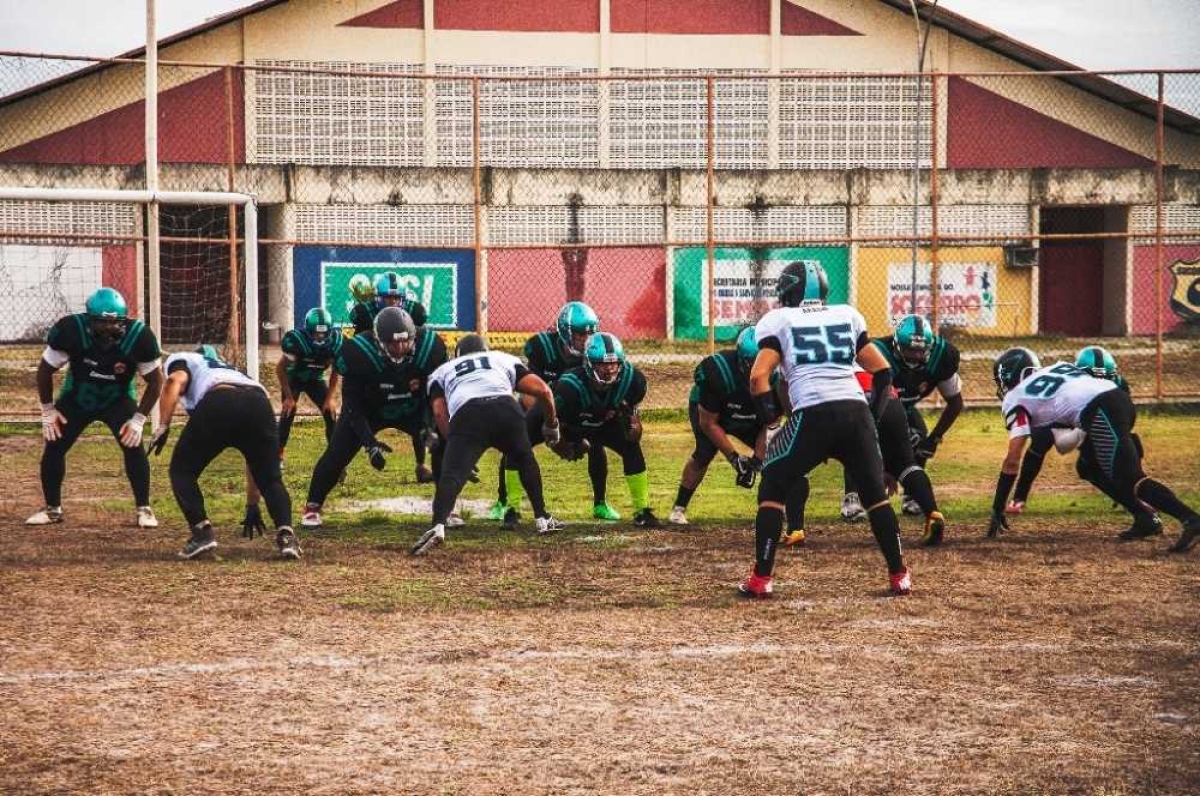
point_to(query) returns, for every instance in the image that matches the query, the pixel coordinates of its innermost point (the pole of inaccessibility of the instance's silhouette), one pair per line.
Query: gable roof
(958, 25)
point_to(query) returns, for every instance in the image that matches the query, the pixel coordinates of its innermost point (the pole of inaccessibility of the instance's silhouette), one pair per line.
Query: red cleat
(900, 582)
(756, 587)
(1015, 507)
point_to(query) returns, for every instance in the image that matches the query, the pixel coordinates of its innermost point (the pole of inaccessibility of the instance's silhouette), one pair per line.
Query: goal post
(59, 244)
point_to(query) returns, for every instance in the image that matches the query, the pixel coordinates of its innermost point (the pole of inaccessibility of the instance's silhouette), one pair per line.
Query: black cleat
(204, 538)
(1144, 526)
(289, 546)
(646, 519)
(511, 518)
(1191, 532)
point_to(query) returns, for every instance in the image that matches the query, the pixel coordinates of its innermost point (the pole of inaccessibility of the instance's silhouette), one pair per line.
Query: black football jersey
(310, 358)
(581, 405)
(546, 356)
(721, 387)
(914, 383)
(382, 389)
(100, 376)
(362, 316)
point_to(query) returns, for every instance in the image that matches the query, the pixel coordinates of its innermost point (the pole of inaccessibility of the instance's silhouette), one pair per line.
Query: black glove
(746, 470)
(252, 523)
(159, 440)
(375, 454)
(999, 523)
(928, 447)
(631, 423)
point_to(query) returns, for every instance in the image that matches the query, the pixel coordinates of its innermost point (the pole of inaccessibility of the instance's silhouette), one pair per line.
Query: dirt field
(1055, 660)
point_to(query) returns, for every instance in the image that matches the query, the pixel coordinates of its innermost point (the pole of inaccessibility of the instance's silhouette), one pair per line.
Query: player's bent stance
(474, 408)
(816, 346)
(1065, 396)
(105, 350)
(226, 409)
(307, 353)
(384, 377)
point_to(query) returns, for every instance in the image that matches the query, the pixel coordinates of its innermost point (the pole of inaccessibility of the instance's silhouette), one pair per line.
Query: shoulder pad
(361, 356)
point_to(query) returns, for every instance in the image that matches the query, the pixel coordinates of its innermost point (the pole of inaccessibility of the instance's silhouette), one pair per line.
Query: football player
(473, 405)
(104, 350)
(921, 362)
(549, 355)
(817, 345)
(1099, 363)
(226, 409)
(598, 407)
(384, 377)
(307, 353)
(1066, 396)
(720, 407)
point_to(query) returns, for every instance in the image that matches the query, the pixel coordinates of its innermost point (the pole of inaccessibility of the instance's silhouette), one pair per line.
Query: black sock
(887, 534)
(684, 496)
(1031, 465)
(916, 486)
(768, 525)
(796, 501)
(1162, 498)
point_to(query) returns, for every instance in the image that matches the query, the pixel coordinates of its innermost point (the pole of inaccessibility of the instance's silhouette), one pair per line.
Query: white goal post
(196, 198)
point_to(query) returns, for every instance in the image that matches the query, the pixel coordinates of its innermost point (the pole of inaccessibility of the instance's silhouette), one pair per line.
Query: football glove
(745, 469)
(572, 451)
(375, 454)
(53, 422)
(159, 440)
(131, 431)
(552, 434)
(252, 523)
(631, 423)
(998, 524)
(928, 446)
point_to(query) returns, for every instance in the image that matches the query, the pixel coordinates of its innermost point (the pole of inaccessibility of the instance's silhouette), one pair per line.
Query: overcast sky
(1095, 34)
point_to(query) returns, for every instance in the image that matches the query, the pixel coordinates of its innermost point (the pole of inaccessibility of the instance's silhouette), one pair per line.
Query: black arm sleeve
(772, 343)
(881, 388)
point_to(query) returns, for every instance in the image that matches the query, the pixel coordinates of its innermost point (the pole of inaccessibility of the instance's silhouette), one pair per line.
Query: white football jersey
(1054, 396)
(488, 373)
(204, 374)
(819, 346)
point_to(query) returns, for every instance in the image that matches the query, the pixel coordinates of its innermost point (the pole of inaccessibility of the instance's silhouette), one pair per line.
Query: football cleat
(47, 516)
(900, 582)
(455, 520)
(288, 544)
(911, 507)
(204, 538)
(511, 518)
(935, 529)
(646, 519)
(1144, 526)
(1015, 507)
(756, 587)
(424, 474)
(549, 524)
(1191, 532)
(429, 540)
(146, 518)
(678, 516)
(311, 518)
(794, 538)
(603, 511)
(497, 511)
(852, 508)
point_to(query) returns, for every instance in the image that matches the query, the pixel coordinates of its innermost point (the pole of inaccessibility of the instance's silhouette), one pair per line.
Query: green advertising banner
(744, 285)
(432, 284)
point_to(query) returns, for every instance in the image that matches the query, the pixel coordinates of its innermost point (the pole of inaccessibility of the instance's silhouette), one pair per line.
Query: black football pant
(842, 430)
(230, 417)
(610, 435)
(897, 445)
(917, 430)
(317, 391)
(479, 424)
(1111, 459)
(345, 445)
(54, 454)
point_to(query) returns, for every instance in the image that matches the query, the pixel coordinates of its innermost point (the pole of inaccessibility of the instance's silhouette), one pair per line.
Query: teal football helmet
(577, 322)
(388, 290)
(1011, 368)
(318, 323)
(604, 358)
(802, 282)
(747, 349)
(361, 288)
(107, 313)
(1097, 361)
(210, 352)
(912, 340)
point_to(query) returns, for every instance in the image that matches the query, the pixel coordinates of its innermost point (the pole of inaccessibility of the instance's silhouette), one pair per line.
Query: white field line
(234, 665)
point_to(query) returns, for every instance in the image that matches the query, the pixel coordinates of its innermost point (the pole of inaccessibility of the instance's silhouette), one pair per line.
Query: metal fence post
(1158, 243)
(710, 202)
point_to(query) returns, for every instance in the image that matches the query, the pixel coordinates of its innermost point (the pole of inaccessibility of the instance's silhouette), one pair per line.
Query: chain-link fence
(1052, 210)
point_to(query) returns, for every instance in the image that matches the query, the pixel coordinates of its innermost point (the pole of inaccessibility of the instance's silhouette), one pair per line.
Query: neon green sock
(639, 489)
(512, 482)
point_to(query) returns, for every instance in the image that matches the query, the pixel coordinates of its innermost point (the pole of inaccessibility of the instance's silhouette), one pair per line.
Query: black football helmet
(1011, 368)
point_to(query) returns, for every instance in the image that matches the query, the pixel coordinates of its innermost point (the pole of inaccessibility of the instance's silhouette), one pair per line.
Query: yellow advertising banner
(977, 292)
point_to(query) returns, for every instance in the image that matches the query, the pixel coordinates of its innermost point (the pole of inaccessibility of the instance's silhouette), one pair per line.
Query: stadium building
(599, 189)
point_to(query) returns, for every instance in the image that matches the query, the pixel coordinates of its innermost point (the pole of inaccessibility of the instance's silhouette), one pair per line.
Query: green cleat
(603, 511)
(497, 511)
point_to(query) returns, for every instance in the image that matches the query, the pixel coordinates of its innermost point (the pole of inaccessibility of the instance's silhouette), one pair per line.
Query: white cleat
(678, 516)
(146, 518)
(311, 518)
(911, 507)
(47, 516)
(548, 524)
(852, 508)
(429, 540)
(455, 520)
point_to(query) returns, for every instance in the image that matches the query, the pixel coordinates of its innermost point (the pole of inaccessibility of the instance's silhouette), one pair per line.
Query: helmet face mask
(604, 359)
(802, 282)
(317, 325)
(912, 340)
(1012, 367)
(395, 334)
(388, 291)
(1097, 362)
(107, 315)
(747, 350)
(576, 323)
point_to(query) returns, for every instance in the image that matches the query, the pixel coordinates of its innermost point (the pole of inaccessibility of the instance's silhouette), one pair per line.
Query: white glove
(131, 431)
(52, 423)
(1067, 439)
(551, 434)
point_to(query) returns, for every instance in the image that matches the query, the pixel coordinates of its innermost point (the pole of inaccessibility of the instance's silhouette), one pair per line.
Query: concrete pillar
(281, 292)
